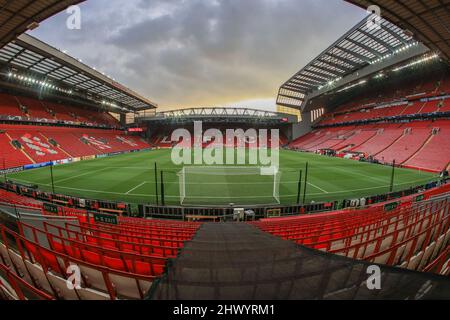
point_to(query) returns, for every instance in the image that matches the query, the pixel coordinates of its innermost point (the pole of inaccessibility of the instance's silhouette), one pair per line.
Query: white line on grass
(169, 196)
(360, 174)
(80, 175)
(137, 187)
(313, 185)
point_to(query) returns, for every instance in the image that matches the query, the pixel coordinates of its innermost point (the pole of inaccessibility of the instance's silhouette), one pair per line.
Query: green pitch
(131, 178)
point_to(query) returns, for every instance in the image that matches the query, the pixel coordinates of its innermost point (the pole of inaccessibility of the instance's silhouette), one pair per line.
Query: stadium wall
(303, 127)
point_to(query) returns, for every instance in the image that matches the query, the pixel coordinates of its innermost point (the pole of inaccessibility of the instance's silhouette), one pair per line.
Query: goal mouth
(229, 185)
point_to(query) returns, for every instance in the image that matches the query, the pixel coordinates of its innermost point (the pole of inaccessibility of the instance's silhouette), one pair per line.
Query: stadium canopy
(29, 58)
(216, 114)
(429, 21)
(18, 16)
(362, 47)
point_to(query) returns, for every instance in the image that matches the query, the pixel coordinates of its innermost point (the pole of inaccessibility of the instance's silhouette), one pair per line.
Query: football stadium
(339, 192)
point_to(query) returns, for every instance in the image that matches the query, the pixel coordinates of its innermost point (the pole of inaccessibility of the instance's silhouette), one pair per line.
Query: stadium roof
(34, 57)
(362, 46)
(429, 20)
(215, 114)
(218, 112)
(18, 16)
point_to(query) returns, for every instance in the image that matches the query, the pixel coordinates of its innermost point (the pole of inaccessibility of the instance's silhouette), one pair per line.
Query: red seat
(91, 257)
(114, 263)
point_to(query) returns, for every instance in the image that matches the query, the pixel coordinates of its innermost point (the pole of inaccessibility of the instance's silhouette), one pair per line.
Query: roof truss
(353, 51)
(29, 54)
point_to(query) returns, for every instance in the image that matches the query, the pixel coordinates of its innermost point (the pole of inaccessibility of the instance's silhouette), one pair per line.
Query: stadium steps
(423, 146)
(90, 147)
(8, 106)
(434, 155)
(34, 107)
(10, 157)
(392, 143)
(19, 104)
(307, 139)
(423, 106)
(57, 147)
(21, 149)
(381, 140)
(406, 146)
(404, 110)
(374, 136)
(359, 137)
(327, 138)
(414, 108)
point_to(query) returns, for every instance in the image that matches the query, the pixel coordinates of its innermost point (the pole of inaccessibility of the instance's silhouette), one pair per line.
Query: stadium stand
(434, 153)
(325, 254)
(405, 147)
(411, 236)
(388, 127)
(122, 261)
(15, 199)
(9, 106)
(162, 139)
(36, 144)
(117, 262)
(12, 155)
(277, 270)
(41, 111)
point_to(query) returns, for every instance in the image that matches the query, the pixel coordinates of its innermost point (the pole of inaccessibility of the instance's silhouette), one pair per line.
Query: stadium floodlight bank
(229, 185)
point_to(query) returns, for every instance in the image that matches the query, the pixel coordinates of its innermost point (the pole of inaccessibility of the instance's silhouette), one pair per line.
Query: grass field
(130, 178)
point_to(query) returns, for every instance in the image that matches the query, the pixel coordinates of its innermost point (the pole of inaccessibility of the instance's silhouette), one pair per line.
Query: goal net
(224, 185)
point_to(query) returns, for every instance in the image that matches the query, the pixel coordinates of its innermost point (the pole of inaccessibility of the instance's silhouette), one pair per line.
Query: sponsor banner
(63, 161)
(37, 165)
(88, 157)
(66, 161)
(50, 207)
(439, 97)
(105, 218)
(115, 153)
(11, 170)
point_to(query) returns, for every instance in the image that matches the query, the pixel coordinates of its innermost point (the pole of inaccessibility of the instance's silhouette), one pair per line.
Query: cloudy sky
(185, 53)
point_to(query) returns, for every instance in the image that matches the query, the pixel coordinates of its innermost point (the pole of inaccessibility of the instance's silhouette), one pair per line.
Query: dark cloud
(202, 52)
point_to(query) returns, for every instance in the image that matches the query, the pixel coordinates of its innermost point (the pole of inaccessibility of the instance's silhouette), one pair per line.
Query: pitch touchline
(168, 196)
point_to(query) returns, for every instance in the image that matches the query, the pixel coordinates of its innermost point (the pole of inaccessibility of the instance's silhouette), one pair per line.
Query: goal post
(182, 184)
(225, 185)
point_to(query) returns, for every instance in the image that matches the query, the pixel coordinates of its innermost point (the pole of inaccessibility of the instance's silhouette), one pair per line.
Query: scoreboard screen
(135, 129)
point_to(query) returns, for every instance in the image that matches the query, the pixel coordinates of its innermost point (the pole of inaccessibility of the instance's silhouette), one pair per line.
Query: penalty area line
(317, 187)
(137, 187)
